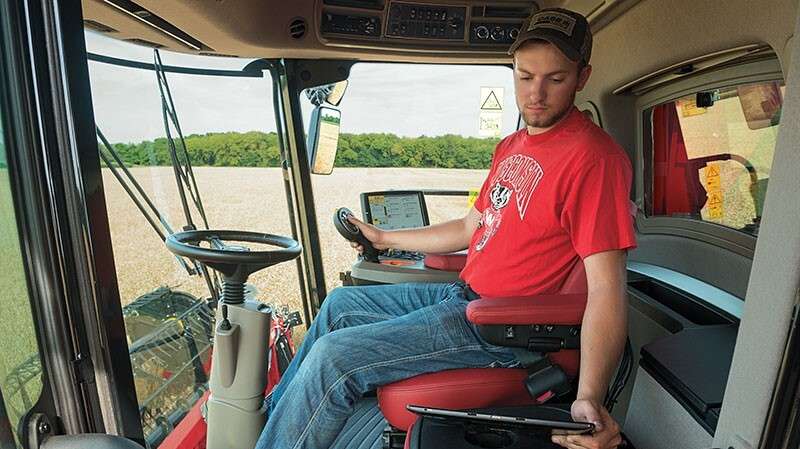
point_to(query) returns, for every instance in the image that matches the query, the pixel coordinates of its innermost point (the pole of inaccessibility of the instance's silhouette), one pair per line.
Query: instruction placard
(491, 112)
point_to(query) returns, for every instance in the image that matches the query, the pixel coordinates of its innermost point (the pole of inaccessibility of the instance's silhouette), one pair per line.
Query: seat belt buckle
(545, 382)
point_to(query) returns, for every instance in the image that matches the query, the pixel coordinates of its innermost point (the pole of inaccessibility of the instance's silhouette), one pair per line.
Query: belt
(469, 293)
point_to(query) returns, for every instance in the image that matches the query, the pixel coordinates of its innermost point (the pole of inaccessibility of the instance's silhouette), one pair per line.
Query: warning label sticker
(491, 112)
(473, 196)
(491, 98)
(714, 205)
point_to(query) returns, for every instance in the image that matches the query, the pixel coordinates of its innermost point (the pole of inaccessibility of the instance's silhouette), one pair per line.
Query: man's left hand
(606, 433)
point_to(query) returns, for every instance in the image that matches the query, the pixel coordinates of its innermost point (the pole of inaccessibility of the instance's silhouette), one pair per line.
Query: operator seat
(533, 323)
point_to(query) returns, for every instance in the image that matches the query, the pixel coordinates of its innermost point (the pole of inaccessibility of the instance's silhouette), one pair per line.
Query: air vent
(507, 11)
(297, 29)
(141, 13)
(146, 43)
(97, 26)
(366, 4)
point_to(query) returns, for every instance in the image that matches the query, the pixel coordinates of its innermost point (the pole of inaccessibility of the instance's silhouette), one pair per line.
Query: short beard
(548, 122)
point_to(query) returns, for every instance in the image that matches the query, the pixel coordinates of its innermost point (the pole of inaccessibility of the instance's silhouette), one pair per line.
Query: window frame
(762, 69)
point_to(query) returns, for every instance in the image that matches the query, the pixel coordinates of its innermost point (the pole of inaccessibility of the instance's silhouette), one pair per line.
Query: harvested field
(254, 199)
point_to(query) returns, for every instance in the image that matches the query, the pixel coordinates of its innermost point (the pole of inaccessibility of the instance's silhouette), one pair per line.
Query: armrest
(446, 262)
(544, 323)
(528, 310)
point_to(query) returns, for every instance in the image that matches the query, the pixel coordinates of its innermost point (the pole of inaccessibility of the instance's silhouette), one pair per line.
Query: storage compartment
(693, 367)
(684, 304)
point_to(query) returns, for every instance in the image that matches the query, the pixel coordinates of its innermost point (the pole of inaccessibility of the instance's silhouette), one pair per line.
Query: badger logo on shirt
(516, 175)
(499, 196)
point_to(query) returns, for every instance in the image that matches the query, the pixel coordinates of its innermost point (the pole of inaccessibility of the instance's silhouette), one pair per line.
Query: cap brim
(562, 45)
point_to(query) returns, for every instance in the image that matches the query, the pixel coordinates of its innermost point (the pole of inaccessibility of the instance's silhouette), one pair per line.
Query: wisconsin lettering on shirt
(521, 174)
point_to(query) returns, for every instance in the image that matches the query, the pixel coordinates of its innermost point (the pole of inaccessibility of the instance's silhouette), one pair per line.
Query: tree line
(258, 149)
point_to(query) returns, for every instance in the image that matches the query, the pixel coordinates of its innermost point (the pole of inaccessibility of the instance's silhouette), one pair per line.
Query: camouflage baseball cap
(567, 30)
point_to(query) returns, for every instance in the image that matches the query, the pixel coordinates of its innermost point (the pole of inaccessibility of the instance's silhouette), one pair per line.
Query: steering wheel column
(236, 412)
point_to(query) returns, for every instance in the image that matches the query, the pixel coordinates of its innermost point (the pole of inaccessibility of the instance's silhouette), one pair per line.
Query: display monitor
(395, 209)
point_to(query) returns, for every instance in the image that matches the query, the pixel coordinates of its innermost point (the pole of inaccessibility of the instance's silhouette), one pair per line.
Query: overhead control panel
(420, 26)
(412, 20)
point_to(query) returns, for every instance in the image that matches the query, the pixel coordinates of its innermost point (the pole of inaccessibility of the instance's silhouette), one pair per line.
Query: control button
(482, 32)
(513, 33)
(498, 33)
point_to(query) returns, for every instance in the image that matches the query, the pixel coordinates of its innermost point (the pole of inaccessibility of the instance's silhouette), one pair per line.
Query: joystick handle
(351, 232)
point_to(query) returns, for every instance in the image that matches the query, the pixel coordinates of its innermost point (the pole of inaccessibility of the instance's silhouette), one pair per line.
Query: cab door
(64, 366)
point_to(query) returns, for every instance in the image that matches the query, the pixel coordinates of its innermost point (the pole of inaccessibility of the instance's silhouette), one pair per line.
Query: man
(557, 193)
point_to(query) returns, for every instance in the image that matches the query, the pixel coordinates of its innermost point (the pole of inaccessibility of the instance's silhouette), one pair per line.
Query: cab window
(20, 364)
(711, 153)
(228, 135)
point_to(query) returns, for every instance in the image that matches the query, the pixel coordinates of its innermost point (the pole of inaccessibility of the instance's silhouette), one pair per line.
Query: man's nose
(537, 91)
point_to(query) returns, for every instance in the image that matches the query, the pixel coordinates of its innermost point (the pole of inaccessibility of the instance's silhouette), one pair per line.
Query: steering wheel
(235, 262)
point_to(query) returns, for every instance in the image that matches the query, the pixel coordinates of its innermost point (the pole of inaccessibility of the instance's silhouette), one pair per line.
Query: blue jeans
(364, 337)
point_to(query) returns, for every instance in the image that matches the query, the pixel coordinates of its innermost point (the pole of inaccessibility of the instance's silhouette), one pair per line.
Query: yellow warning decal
(715, 202)
(689, 108)
(473, 196)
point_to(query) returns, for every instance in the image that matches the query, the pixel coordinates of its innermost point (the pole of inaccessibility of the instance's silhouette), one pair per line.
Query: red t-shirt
(549, 201)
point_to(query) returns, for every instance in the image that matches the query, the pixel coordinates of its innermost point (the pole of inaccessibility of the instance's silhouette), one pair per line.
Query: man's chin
(542, 122)
(545, 122)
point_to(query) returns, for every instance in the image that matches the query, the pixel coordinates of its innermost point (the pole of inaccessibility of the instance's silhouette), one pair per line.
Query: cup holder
(489, 438)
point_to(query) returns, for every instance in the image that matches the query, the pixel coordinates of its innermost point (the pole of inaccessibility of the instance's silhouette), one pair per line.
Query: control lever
(351, 232)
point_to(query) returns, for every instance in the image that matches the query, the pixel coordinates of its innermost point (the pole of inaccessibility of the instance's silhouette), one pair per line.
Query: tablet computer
(395, 209)
(539, 419)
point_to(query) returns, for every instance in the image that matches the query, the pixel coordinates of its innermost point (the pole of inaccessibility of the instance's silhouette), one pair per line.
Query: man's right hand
(372, 233)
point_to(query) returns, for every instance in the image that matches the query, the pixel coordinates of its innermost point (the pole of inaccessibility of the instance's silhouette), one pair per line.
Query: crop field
(254, 199)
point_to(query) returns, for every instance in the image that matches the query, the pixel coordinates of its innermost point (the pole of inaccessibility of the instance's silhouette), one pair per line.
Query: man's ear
(583, 77)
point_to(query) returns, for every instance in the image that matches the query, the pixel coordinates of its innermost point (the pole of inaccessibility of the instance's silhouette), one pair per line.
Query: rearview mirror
(323, 139)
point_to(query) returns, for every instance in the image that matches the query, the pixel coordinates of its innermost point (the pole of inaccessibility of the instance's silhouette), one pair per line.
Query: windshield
(413, 126)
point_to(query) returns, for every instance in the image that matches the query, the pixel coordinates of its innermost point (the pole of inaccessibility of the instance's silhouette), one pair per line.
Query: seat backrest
(576, 280)
(575, 283)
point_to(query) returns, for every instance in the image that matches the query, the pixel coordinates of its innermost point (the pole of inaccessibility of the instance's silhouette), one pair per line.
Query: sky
(403, 99)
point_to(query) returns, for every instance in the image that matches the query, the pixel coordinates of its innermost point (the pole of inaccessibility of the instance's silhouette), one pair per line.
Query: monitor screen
(395, 210)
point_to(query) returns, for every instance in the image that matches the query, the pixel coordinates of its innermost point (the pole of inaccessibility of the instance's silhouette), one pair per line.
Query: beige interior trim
(698, 64)
(773, 289)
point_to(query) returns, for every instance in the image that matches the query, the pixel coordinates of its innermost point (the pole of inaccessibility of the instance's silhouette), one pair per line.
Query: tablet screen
(395, 209)
(538, 419)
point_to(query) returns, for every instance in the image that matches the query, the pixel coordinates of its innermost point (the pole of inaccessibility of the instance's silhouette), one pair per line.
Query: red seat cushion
(446, 262)
(455, 389)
